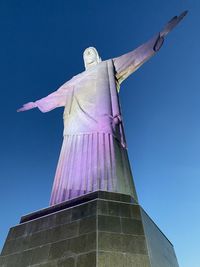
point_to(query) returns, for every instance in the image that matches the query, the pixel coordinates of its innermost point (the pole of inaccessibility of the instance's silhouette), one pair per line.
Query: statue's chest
(92, 94)
(95, 85)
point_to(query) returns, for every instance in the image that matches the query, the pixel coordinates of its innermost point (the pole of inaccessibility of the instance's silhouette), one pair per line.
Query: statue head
(91, 57)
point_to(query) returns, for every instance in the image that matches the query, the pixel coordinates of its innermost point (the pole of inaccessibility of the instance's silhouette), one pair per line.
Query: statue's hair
(96, 52)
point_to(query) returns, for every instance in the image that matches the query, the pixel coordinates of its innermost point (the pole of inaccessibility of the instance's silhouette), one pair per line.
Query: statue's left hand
(168, 28)
(27, 106)
(172, 23)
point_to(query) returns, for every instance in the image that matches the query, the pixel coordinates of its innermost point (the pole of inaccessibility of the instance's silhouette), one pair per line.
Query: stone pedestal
(99, 229)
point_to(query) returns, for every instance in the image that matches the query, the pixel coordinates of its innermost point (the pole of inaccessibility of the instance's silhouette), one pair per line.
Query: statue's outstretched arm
(52, 101)
(48, 103)
(130, 62)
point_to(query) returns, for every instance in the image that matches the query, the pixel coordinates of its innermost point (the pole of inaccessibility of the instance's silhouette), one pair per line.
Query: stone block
(109, 224)
(60, 249)
(87, 260)
(135, 212)
(69, 262)
(84, 210)
(63, 231)
(109, 241)
(132, 226)
(111, 259)
(83, 243)
(87, 225)
(63, 217)
(39, 254)
(114, 209)
(135, 260)
(133, 244)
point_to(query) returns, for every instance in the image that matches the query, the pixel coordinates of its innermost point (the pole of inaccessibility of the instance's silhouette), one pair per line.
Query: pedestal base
(99, 229)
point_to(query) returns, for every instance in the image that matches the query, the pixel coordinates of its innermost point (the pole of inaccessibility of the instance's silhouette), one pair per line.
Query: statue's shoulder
(76, 78)
(79, 77)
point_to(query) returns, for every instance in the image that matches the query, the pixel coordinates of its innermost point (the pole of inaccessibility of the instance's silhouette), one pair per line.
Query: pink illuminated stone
(94, 152)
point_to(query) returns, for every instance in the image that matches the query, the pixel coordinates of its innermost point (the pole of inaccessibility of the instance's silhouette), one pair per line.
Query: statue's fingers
(172, 20)
(20, 109)
(176, 19)
(182, 15)
(172, 23)
(24, 108)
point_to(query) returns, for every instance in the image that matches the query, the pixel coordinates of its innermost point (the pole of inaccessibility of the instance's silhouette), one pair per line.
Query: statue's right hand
(27, 106)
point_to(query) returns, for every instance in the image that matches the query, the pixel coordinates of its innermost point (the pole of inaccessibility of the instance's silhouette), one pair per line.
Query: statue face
(90, 57)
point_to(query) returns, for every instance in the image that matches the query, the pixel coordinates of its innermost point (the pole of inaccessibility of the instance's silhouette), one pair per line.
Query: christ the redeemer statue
(94, 153)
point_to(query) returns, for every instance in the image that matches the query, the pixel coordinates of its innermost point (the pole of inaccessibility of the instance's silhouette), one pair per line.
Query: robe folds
(94, 152)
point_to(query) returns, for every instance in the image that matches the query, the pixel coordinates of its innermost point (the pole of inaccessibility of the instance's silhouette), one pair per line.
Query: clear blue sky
(41, 47)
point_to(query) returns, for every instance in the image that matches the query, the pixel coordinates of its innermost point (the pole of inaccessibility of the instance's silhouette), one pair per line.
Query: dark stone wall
(66, 238)
(161, 251)
(121, 240)
(105, 230)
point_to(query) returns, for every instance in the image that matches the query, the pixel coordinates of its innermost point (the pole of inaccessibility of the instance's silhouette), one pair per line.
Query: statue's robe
(94, 153)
